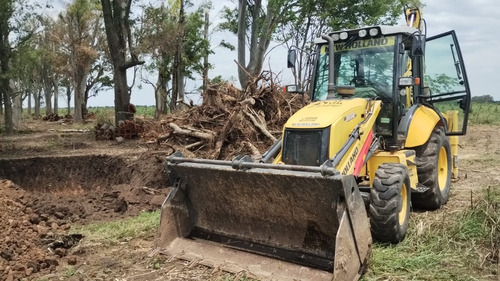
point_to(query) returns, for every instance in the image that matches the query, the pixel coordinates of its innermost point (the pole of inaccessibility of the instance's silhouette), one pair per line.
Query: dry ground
(44, 202)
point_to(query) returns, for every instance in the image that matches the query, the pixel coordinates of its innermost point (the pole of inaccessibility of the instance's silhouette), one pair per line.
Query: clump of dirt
(21, 249)
(35, 223)
(56, 192)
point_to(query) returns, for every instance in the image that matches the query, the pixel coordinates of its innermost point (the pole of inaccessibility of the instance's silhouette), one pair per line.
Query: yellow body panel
(347, 164)
(322, 114)
(423, 122)
(342, 116)
(399, 156)
(452, 121)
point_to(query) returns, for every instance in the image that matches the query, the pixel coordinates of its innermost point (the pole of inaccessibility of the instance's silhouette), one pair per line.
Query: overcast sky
(475, 22)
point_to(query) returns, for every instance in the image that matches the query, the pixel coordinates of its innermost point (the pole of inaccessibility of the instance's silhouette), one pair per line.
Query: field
(78, 209)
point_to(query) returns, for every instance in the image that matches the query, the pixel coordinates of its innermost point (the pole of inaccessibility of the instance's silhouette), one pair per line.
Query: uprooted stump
(230, 121)
(126, 129)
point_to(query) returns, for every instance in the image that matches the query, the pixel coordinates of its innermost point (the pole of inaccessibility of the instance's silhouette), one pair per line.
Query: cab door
(445, 81)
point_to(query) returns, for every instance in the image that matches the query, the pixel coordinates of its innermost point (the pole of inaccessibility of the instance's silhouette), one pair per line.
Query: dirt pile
(35, 224)
(230, 122)
(21, 250)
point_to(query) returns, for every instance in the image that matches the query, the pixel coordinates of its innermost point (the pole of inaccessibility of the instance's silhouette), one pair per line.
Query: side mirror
(292, 58)
(463, 104)
(418, 45)
(293, 89)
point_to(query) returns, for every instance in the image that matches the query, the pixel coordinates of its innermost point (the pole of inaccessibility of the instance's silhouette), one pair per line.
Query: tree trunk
(38, 97)
(205, 58)
(68, 97)
(116, 23)
(161, 95)
(47, 90)
(79, 94)
(56, 98)
(17, 111)
(260, 38)
(9, 126)
(178, 77)
(5, 90)
(122, 96)
(242, 13)
(29, 102)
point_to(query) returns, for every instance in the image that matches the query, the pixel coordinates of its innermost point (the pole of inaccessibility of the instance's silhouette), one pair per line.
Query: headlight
(362, 33)
(343, 35)
(405, 81)
(373, 32)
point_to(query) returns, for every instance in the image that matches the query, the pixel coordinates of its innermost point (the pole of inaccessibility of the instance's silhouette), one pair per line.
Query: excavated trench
(42, 197)
(84, 171)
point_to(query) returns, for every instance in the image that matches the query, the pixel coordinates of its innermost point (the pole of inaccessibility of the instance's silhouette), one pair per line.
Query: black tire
(434, 171)
(390, 203)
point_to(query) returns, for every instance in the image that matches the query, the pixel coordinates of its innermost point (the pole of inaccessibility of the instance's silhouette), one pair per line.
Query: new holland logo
(350, 117)
(351, 160)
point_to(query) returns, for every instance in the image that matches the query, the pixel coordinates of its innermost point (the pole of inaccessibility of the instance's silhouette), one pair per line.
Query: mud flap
(301, 224)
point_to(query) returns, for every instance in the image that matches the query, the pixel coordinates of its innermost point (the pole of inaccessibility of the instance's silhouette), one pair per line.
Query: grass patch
(144, 224)
(69, 271)
(229, 277)
(458, 246)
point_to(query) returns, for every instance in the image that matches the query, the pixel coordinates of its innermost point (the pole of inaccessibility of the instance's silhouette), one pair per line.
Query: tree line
(91, 45)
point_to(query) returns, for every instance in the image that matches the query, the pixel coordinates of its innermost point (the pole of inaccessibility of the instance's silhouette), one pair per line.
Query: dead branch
(260, 126)
(198, 134)
(198, 143)
(256, 155)
(248, 101)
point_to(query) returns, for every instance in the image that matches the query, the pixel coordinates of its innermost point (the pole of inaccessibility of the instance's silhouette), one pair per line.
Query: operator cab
(371, 60)
(387, 63)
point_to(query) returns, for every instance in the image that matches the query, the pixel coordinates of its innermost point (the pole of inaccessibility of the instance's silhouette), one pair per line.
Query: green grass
(453, 247)
(114, 231)
(69, 271)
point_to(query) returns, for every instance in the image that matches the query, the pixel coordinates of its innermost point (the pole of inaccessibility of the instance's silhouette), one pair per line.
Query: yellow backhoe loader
(380, 136)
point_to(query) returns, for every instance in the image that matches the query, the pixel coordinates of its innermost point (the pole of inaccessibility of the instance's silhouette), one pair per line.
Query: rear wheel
(434, 171)
(390, 203)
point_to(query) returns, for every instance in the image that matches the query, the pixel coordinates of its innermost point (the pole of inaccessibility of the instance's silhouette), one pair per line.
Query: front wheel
(434, 171)
(390, 203)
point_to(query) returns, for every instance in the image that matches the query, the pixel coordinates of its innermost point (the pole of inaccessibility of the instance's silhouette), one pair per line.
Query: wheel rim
(442, 168)
(404, 205)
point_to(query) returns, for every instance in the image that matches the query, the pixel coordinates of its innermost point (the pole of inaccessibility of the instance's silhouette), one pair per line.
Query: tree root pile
(230, 122)
(126, 129)
(52, 117)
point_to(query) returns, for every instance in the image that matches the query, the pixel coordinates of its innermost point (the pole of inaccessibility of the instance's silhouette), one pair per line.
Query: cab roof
(384, 30)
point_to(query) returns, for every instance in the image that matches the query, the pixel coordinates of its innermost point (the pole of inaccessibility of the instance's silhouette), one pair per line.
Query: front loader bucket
(268, 220)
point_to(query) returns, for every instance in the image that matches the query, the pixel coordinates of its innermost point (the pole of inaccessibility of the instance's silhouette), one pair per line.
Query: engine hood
(322, 114)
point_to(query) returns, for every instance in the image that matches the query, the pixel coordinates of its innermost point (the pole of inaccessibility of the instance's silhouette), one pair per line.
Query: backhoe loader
(379, 136)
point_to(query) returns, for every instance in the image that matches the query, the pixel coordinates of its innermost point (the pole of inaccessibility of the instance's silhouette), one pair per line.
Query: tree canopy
(94, 44)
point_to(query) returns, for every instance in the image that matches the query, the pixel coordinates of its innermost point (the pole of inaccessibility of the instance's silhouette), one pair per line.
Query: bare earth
(39, 202)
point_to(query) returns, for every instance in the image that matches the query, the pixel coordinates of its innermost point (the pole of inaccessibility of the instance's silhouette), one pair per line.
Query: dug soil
(53, 179)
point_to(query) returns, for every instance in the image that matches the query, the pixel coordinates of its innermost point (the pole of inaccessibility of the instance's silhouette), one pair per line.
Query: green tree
(313, 18)
(441, 83)
(79, 34)
(159, 35)
(297, 23)
(13, 33)
(254, 23)
(116, 14)
(483, 99)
